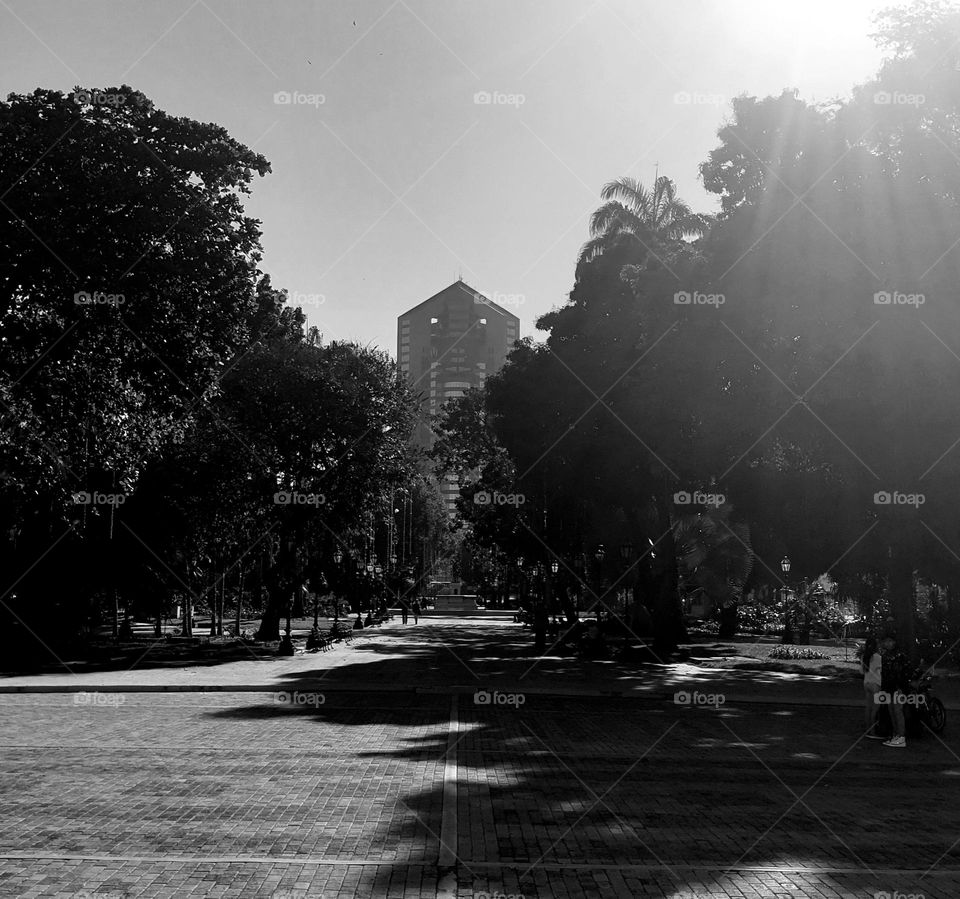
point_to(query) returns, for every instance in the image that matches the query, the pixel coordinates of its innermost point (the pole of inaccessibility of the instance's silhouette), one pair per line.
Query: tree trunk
(270, 621)
(900, 568)
(239, 603)
(187, 614)
(668, 624)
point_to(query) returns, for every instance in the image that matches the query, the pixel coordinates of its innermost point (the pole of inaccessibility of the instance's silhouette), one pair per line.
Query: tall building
(447, 345)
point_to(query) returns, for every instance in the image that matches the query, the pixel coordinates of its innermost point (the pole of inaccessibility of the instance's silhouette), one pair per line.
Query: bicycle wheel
(938, 715)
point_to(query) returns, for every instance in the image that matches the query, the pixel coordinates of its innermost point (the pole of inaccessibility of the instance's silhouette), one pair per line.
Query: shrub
(796, 652)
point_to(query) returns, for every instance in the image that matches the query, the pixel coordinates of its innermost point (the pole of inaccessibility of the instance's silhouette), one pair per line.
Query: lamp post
(787, 618)
(579, 566)
(626, 554)
(337, 558)
(599, 554)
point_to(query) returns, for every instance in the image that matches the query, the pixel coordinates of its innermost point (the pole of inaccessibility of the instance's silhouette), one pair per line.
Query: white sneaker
(897, 742)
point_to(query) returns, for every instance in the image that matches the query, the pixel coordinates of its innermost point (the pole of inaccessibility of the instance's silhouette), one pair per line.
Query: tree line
(171, 432)
(778, 379)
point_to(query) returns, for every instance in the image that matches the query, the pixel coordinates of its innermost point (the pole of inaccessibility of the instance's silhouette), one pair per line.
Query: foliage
(795, 652)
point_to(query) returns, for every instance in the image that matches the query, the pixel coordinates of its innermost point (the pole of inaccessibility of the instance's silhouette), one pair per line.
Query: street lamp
(626, 554)
(787, 623)
(554, 566)
(599, 554)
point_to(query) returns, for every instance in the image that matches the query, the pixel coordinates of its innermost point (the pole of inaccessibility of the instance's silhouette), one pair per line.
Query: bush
(795, 652)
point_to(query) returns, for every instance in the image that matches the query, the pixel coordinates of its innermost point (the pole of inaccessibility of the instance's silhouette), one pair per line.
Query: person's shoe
(873, 736)
(897, 742)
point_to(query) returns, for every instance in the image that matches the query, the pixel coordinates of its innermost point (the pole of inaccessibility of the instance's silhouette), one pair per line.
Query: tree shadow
(563, 795)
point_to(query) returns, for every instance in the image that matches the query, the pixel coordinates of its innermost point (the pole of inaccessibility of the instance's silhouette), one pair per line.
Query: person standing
(893, 683)
(870, 665)
(404, 610)
(416, 611)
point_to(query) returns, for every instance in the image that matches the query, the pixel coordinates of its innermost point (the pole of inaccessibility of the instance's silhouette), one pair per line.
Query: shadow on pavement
(559, 795)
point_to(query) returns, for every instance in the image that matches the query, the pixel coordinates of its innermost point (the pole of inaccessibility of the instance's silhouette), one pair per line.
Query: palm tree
(634, 213)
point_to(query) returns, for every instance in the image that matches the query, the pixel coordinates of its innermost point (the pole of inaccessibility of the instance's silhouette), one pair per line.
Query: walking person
(404, 610)
(893, 689)
(871, 666)
(416, 611)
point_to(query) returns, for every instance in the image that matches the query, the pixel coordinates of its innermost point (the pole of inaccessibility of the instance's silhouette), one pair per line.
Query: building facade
(447, 345)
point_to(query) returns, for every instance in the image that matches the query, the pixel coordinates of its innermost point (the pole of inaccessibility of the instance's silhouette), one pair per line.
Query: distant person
(404, 611)
(894, 682)
(416, 611)
(870, 665)
(358, 624)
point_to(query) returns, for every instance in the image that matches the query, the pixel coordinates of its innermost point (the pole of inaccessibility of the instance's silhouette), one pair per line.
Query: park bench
(341, 630)
(317, 641)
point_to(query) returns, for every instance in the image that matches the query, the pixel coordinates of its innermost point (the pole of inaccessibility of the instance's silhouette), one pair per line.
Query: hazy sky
(390, 179)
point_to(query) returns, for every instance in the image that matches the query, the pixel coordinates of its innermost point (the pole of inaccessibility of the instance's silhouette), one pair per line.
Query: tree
(127, 285)
(636, 215)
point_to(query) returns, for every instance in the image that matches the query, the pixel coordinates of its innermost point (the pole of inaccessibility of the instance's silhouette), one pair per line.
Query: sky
(415, 142)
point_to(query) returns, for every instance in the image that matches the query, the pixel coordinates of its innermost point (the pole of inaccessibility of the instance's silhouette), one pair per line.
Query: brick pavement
(240, 794)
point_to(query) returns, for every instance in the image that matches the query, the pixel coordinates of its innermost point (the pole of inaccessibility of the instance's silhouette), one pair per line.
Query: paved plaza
(317, 790)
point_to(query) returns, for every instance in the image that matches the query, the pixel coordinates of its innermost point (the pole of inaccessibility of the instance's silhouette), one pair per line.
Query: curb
(651, 696)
